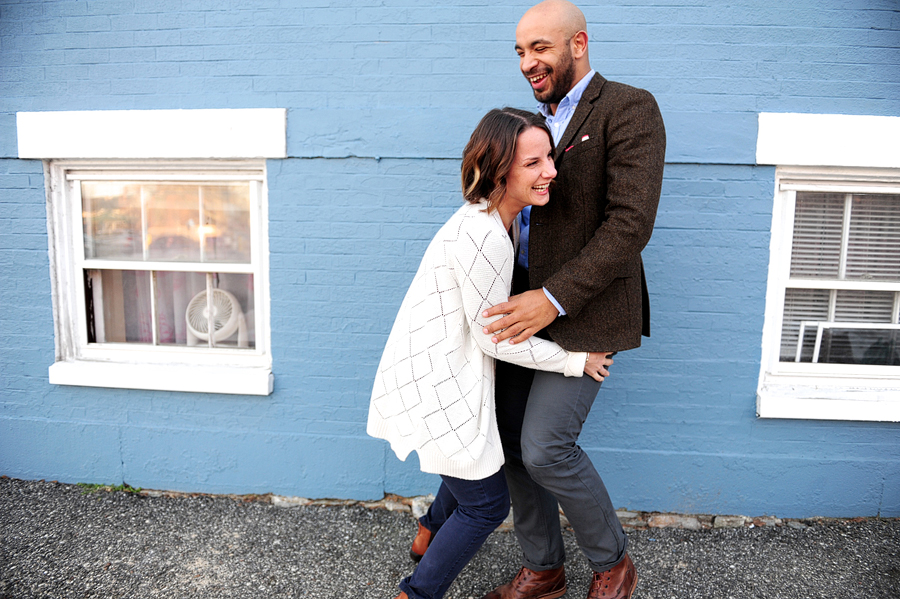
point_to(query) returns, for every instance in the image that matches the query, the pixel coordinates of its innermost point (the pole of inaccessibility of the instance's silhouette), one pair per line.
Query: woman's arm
(484, 266)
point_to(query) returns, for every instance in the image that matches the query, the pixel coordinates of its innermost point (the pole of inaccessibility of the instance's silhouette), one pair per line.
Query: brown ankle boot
(616, 583)
(529, 584)
(420, 544)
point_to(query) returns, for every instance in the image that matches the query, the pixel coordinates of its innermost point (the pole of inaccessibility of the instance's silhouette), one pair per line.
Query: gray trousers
(540, 416)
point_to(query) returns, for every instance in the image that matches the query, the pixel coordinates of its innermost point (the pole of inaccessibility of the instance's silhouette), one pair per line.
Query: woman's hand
(596, 364)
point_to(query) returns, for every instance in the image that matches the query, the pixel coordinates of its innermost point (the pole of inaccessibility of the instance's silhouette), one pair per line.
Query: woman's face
(528, 181)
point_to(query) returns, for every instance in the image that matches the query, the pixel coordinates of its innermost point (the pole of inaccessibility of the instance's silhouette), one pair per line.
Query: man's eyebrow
(537, 42)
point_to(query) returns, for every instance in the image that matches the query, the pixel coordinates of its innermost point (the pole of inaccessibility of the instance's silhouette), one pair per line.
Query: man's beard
(562, 81)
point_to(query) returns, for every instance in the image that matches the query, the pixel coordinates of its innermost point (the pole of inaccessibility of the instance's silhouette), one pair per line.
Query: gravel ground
(61, 540)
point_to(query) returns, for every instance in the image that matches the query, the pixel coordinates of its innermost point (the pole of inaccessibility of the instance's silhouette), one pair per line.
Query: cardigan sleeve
(484, 266)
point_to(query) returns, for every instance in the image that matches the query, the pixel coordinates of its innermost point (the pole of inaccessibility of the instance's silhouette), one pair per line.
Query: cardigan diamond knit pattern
(434, 388)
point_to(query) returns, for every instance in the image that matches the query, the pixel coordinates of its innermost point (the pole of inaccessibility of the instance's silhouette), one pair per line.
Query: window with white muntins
(159, 245)
(831, 341)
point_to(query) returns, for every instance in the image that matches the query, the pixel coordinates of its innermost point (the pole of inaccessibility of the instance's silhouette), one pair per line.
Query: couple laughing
(505, 335)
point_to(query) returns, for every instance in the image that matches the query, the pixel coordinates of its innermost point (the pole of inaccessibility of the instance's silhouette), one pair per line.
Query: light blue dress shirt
(557, 123)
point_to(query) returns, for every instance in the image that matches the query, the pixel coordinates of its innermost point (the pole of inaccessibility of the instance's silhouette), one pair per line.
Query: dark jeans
(462, 516)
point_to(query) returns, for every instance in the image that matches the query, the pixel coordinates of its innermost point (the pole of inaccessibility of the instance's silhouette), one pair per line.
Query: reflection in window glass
(173, 222)
(225, 233)
(166, 222)
(112, 220)
(855, 346)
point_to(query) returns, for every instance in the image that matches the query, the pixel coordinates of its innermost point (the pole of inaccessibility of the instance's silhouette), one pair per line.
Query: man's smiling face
(545, 58)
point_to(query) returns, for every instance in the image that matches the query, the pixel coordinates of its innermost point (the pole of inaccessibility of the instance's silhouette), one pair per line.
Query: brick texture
(381, 98)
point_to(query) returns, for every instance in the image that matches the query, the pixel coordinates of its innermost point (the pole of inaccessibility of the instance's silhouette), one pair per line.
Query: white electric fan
(226, 317)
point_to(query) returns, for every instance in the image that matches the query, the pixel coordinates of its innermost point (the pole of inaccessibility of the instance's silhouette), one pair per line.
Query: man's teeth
(537, 78)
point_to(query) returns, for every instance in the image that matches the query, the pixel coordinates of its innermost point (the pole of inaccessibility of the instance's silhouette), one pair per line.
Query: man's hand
(526, 314)
(596, 365)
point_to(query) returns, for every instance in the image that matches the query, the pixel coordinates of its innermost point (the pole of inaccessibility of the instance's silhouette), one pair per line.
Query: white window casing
(792, 139)
(183, 148)
(828, 156)
(164, 134)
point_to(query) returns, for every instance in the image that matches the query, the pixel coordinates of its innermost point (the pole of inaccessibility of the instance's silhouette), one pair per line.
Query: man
(580, 281)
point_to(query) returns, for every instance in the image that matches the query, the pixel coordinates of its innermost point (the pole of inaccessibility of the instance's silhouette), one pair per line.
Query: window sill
(163, 377)
(829, 398)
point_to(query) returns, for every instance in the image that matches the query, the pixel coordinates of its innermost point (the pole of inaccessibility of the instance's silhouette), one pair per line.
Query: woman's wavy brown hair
(488, 157)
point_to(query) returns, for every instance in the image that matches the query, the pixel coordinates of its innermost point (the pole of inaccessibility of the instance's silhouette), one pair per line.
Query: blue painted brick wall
(381, 97)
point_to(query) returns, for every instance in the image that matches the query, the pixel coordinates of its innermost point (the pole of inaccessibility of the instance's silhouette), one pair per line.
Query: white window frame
(830, 153)
(204, 145)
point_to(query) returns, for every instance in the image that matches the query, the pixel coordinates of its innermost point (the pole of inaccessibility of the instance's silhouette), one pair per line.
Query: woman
(434, 389)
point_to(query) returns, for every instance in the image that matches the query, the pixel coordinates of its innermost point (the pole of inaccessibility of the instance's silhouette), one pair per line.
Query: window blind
(873, 245)
(839, 237)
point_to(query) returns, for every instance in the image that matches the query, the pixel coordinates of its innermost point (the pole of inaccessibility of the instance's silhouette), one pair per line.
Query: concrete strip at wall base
(417, 506)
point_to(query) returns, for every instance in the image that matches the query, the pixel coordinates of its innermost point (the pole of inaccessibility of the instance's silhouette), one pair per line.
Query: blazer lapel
(585, 105)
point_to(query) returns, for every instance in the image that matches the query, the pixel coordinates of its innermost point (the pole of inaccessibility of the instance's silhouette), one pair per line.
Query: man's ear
(579, 44)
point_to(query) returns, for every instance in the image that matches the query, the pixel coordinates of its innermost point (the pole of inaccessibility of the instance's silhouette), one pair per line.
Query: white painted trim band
(801, 402)
(828, 140)
(192, 379)
(205, 133)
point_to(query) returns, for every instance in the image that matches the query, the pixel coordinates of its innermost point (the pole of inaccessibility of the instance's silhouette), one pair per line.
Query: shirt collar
(572, 98)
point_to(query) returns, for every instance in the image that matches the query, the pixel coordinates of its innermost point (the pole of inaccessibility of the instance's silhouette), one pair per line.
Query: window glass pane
(802, 305)
(841, 342)
(167, 222)
(174, 291)
(111, 213)
(118, 306)
(184, 314)
(860, 346)
(873, 250)
(225, 234)
(173, 222)
(864, 306)
(120, 311)
(818, 224)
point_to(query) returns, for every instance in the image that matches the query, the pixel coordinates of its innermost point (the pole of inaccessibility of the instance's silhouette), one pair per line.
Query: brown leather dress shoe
(402, 595)
(616, 583)
(420, 543)
(528, 584)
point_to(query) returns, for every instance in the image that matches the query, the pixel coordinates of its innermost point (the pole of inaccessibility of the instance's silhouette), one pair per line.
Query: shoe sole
(415, 556)
(633, 586)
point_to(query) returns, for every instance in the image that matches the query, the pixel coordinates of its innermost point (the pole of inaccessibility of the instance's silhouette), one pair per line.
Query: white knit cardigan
(434, 389)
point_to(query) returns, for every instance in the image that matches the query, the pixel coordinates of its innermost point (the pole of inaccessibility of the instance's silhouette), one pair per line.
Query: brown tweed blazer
(585, 244)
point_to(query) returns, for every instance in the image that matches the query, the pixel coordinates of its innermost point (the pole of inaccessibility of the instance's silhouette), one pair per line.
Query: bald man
(579, 281)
